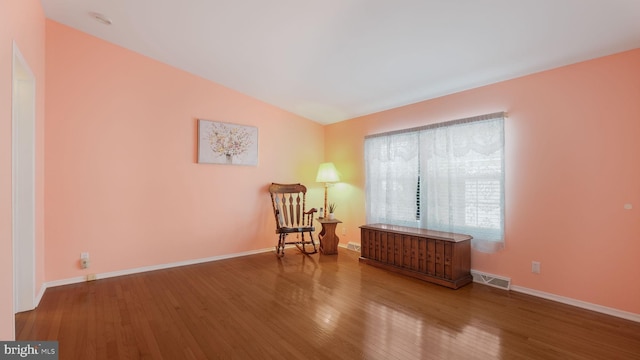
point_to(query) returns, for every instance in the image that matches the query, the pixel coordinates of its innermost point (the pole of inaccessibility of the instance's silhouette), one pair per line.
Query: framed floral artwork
(225, 143)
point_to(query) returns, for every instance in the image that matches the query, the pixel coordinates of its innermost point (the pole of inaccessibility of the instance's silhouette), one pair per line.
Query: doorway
(23, 183)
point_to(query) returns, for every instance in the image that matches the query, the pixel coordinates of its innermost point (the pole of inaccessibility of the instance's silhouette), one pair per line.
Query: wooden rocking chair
(291, 217)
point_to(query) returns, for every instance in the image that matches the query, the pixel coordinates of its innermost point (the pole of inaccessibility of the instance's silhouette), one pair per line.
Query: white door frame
(23, 183)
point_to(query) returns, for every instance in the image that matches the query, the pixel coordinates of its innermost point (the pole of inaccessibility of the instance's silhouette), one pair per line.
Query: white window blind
(446, 177)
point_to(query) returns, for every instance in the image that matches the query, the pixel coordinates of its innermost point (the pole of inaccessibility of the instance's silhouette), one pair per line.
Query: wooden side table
(328, 238)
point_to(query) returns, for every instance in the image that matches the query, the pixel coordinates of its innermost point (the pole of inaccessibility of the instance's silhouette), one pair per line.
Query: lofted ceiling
(333, 60)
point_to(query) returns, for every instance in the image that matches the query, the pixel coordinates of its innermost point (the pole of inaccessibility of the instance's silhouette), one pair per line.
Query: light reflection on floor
(327, 317)
(395, 329)
(388, 326)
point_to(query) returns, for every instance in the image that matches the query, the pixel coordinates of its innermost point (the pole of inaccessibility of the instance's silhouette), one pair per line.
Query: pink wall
(22, 22)
(572, 164)
(122, 179)
(122, 183)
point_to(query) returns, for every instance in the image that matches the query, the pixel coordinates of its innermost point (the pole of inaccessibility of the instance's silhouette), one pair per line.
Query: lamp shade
(327, 173)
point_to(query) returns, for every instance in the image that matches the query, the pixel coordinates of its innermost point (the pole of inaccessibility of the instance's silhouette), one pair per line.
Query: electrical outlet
(91, 277)
(84, 260)
(535, 267)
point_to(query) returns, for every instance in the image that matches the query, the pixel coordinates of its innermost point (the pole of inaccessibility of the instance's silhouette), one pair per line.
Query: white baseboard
(111, 274)
(578, 303)
(43, 287)
(569, 301)
(524, 290)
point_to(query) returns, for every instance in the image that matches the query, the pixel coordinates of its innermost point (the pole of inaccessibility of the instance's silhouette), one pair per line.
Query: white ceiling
(331, 60)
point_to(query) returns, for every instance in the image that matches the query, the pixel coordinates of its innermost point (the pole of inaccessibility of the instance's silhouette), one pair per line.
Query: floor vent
(353, 246)
(491, 280)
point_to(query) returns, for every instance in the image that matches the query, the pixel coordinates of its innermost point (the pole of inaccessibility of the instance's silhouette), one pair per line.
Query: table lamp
(327, 173)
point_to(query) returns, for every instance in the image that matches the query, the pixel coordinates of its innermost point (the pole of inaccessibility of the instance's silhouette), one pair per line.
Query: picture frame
(227, 143)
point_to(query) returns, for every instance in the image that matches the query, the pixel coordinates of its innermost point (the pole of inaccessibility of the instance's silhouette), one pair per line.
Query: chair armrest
(309, 215)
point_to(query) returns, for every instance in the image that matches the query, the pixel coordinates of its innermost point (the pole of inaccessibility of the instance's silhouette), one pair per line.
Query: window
(393, 179)
(447, 177)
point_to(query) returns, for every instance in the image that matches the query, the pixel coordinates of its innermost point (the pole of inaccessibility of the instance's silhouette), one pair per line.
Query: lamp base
(326, 189)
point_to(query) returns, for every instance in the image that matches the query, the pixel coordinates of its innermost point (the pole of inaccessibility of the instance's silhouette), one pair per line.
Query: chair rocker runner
(292, 217)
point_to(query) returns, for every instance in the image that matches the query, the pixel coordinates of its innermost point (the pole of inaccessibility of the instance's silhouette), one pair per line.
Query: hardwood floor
(317, 307)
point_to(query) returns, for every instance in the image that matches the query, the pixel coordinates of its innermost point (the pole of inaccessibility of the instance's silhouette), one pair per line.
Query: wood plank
(313, 307)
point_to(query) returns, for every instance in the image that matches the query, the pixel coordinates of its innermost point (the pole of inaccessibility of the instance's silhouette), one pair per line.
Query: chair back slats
(289, 204)
(289, 201)
(285, 210)
(299, 213)
(277, 209)
(291, 210)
